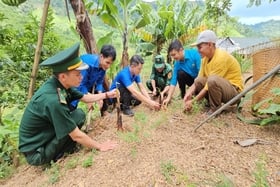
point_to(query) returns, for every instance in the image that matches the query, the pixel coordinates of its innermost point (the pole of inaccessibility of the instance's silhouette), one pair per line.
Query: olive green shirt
(47, 116)
(165, 75)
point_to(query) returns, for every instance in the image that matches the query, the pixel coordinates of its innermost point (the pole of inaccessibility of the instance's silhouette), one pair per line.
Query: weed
(53, 172)
(261, 174)
(159, 121)
(224, 181)
(88, 161)
(131, 136)
(72, 163)
(141, 117)
(167, 169)
(133, 152)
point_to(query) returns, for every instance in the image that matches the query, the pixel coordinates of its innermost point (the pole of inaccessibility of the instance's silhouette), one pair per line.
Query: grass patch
(173, 175)
(132, 136)
(53, 172)
(260, 174)
(72, 163)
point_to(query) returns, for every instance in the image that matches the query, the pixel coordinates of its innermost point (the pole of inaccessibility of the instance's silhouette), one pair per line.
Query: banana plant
(120, 15)
(13, 2)
(171, 19)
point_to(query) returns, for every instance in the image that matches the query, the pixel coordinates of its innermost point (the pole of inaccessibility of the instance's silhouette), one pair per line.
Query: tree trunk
(38, 49)
(125, 57)
(85, 30)
(84, 26)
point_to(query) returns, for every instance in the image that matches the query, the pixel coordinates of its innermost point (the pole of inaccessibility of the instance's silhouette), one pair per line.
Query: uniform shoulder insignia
(169, 75)
(61, 96)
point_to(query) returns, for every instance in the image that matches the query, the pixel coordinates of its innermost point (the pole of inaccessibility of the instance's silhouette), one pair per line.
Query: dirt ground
(161, 149)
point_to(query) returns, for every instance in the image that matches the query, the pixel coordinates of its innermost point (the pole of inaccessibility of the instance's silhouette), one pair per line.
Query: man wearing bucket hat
(186, 68)
(49, 126)
(160, 77)
(219, 79)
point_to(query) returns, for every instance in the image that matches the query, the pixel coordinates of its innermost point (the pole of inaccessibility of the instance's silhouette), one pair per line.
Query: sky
(252, 15)
(255, 14)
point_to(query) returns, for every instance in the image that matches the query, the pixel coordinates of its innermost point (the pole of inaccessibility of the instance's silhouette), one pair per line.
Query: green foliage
(169, 20)
(13, 2)
(72, 163)
(167, 170)
(173, 175)
(261, 174)
(245, 63)
(131, 136)
(19, 46)
(224, 182)
(8, 141)
(271, 112)
(54, 173)
(88, 161)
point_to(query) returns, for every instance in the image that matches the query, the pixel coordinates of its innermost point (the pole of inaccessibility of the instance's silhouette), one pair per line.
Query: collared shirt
(224, 65)
(125, 78)
(93, 76)
(190, 65)
(166, 74)
(47, 115)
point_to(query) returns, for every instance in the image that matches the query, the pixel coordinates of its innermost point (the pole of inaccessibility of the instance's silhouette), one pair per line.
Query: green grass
(53, 172)
(260, 173)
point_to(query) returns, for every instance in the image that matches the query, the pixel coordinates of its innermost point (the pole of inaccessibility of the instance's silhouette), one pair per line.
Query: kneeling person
(50, 126)
(160, 77)
(129, 95)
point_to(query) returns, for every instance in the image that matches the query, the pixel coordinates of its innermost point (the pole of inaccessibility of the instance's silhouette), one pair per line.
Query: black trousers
(184, 79)
(126, 98)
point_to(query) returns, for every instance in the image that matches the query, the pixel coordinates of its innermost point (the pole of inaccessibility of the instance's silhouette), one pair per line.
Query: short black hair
(136, 60)
(108, 51)
(175, 45)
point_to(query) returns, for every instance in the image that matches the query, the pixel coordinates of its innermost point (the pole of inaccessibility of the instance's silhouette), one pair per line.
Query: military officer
(160, 77)
(50, 126)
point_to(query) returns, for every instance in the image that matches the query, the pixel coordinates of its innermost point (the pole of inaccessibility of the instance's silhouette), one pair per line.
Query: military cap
(66, 60)
(159, 62)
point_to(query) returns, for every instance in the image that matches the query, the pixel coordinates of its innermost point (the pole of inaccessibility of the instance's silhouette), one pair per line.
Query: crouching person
(50, 126)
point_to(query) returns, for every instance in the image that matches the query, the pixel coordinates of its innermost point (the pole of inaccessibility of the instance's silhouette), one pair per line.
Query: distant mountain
(268, 29)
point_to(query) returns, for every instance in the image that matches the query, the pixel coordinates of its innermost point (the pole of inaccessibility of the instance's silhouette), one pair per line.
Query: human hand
(165, 102)
(108, 145)
(154, 92)
(188, 105)
(156, 105)
(90, 106)
(111, 94)
(161, 95)
(188, 96)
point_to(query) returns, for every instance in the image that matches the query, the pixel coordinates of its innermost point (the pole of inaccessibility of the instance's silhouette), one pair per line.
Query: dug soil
(160, 148)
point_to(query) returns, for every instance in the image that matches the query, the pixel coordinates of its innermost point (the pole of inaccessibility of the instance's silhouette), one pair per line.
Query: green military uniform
(48, 117)
(163, 78)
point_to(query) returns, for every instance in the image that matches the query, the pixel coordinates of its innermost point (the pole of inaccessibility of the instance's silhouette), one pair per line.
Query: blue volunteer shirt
(93, 76)
(125, 79)
(190, 65)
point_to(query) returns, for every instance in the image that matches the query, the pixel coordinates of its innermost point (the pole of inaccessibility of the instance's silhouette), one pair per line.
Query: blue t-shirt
(92, 77)
(190, 65)
(124, 79)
